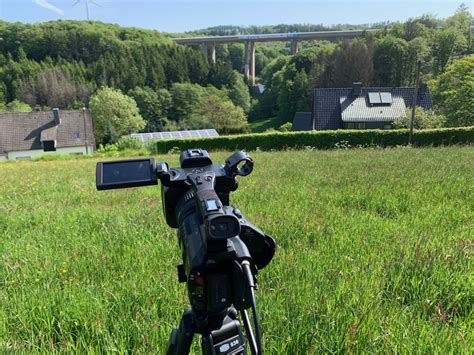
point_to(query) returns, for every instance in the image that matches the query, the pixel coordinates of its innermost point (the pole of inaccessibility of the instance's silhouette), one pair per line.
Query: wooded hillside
(62, 63)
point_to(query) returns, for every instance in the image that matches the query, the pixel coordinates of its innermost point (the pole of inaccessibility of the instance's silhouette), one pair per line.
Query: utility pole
(415, 98)
(85, 129)
(87, 9)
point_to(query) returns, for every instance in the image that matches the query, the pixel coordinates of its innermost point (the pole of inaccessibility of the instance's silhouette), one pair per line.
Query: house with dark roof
(360, 107)
(303, 121)
(27, 135)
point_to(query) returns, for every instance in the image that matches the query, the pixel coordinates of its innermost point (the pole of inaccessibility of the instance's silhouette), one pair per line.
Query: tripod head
(222, 252)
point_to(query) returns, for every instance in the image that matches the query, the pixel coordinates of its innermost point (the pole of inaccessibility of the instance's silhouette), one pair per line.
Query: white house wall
(30, 154)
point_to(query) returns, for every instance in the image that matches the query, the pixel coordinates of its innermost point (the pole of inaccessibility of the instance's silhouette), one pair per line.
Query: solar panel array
(374, 98)
(380, 98)
(386, 98)
(199, 133)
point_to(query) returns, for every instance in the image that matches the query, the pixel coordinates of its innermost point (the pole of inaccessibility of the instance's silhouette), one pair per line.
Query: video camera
(221, 250)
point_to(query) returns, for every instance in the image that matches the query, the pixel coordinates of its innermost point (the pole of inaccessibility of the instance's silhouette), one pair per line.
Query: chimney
(357, 88)
(57, 118)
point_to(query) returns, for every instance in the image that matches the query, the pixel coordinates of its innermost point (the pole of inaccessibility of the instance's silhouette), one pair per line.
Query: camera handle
(203, 187)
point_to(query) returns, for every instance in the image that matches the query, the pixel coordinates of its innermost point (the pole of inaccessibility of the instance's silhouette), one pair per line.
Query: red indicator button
(199, 280)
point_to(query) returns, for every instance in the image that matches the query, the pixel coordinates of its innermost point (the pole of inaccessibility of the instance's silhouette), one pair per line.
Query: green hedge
(323, 139)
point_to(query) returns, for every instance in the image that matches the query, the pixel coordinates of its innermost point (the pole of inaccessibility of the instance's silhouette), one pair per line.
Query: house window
(49, 146)
(356, 125)
(387, 126)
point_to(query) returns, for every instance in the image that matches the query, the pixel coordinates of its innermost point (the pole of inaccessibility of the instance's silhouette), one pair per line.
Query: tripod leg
(229, 339)
(182, 338)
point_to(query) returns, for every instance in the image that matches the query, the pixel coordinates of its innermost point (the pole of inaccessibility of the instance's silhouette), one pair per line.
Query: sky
(188, 15)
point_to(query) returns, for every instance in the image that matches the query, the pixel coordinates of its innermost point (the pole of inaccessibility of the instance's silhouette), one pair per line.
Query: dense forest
(71, 64)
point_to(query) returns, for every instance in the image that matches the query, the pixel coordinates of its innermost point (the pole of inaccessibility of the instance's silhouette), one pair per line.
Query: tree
(461, 20)
(390, 59)
(352, 62)
(236, 55)
(322, 66)
(418, 50)
(114, 114)
(53, 88)
(185, 99)
(221, 75)
(293, 92)
(222, 114)
(239, 92)
(448, 44)
(154, 106)
(3, 93)
(454, 92)
(16, 106)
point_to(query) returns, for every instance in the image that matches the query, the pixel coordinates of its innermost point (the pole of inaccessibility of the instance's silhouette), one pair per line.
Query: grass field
(375, 255)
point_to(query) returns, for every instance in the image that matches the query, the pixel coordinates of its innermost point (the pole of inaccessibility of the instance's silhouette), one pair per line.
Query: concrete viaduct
(209, 43)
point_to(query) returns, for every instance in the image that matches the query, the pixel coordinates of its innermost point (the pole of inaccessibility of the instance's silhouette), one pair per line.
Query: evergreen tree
(390, 59)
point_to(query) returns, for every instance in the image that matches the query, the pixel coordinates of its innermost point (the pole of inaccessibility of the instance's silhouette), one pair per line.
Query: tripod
(221, 333)
(221, 250)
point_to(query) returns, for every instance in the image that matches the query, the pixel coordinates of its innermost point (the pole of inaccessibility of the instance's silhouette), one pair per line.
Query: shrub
(285, 127)
(423, 119)
(323, 139)
(107, 148)
(15, 106)
(129, 142)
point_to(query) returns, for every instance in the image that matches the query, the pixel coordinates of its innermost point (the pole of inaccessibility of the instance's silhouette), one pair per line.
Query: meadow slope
(374, 255)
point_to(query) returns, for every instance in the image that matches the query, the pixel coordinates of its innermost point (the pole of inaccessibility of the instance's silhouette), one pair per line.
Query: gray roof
(357, 109)
(24, 131)
(302, 122)
(327, 104)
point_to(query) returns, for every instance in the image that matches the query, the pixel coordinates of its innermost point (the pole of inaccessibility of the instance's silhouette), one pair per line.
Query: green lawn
(375, 255)
(261, 126)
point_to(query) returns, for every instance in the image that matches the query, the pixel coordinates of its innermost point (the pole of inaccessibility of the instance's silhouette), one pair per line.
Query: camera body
(215, 238)
(175, 180)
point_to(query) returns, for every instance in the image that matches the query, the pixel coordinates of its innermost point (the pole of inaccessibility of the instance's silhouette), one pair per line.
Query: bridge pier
(252, 62)
(213, 53)
(294, 47)
(249, 61)
(209, 50)
(209, 43)
(246, 60)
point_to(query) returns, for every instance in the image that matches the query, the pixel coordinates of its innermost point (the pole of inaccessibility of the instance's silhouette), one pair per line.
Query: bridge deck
(273, 37)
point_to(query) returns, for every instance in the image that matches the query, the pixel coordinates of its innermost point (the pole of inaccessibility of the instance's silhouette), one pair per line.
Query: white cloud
(45, 4)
